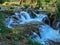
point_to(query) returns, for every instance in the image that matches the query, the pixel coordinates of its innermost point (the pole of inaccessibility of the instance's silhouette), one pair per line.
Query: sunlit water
(46, 32)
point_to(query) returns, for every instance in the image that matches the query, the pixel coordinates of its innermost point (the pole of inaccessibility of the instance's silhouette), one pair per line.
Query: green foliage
(32, 42)
(2, 1)
(3, 28)
(58, 7)
(47, 0)
(58, 10)
(39, 3)
(2, 16)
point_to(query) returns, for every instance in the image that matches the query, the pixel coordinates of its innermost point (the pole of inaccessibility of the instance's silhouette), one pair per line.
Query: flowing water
(46, 32)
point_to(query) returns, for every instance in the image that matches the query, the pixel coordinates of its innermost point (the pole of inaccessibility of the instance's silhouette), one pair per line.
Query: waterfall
(24, 17)
(46, 32)
(25, 14)
(49, 33)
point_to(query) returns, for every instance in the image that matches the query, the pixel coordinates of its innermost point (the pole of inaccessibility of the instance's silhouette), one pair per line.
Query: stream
(46, 31)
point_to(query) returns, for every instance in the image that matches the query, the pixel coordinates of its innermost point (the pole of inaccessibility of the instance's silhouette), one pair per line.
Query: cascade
(46, 32)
